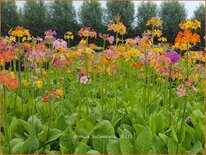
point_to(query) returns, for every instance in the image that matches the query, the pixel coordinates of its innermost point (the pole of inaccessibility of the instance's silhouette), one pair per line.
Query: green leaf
(101, 134)
(138, 128)
(82, 149)
(93, 152)
(143, 142)
(43, 135)
(26, 125)
(113, 147)
(172, 146)
(54, 134)
(159, 146)
(126, 142)
(15, 141)
(30, 145)
(16, 144)
(60, 122)
(196, 148)
(68, 141)
(164, 138)
(36, 123)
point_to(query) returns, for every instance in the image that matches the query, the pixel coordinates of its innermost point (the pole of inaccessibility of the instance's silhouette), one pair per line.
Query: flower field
(137, 96)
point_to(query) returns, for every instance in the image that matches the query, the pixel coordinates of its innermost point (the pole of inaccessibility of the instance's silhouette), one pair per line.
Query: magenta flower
(173, 56)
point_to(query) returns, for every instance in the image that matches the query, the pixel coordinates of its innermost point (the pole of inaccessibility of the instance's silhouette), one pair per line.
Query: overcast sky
(189, 5)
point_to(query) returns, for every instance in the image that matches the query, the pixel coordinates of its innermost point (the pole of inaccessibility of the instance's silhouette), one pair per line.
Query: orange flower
(186, 39)
(9, 80)
(118, 28)
(87, 32)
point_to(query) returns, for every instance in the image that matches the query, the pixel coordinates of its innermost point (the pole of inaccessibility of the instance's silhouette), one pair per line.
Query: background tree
(34, 17)
(63, 17)
(9, 16)
(199, 14)
(124, 9)
(91, 15)
(172, 14)
(145, 11)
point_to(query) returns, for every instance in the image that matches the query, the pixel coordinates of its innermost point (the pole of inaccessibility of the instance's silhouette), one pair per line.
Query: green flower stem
(183, 118)
(5, 119)
(170, 86)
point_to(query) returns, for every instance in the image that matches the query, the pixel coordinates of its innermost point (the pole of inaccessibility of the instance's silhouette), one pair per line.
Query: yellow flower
(190, 24)
(60, 92)
(1, 62)
(154, 21)
(68, 35)
(25, 83)
(157, 33)
(12, 75)
(162, 39)
(39, 83)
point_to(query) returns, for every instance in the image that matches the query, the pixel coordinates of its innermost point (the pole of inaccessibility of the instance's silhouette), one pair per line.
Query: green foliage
(124, 9)
(9, 16)
(145, 11)
(91, 15)
(63, 17)
(35, 17)
(172, 14)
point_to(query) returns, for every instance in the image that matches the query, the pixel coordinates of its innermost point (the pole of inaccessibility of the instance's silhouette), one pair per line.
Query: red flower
(46, 99)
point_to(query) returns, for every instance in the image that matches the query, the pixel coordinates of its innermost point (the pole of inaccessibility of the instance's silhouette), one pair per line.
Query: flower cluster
(9, 80)
(87, 32)
(19, 32)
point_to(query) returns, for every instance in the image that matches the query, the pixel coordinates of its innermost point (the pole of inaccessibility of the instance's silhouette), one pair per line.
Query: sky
(189, 5)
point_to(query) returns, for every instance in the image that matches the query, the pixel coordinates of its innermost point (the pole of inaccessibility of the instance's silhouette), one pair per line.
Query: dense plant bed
(131, 98)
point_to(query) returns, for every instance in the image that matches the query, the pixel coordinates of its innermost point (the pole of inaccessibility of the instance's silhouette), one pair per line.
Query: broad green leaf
(16, 149)
(68, 141)
(60, 122)
(138, 128)
(36, 124)
(15, 145)
(196, 148)
(160, 122)
(15, 141)
(113, 147)
(164, 138)
(26, 125)
(30, 145)
(82, 149)
(93, 152)
(101, 134)
(54, 134)
(159, 146)
(143, 142)
(126, 142)
(172, 146)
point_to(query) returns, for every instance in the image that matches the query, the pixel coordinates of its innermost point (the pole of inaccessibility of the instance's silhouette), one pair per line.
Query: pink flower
(111, 39)
(84, 79)
(110, 54)
(181, 91)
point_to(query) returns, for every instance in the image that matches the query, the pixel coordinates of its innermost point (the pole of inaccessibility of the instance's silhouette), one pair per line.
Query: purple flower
(188, 120)
(50, 33)
(173, 56)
